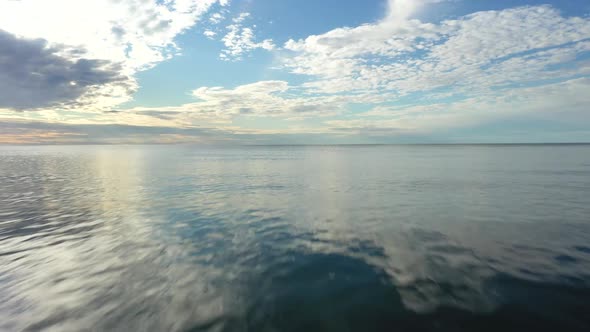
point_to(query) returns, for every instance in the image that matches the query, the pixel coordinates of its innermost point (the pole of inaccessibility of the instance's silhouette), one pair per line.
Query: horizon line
(291, 144)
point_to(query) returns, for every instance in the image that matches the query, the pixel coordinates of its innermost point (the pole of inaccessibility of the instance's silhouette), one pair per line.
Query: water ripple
(294, 239)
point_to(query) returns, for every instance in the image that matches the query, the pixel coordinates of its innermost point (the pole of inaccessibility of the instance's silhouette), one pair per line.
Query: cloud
(216, 18)
(393, 77)
(34, 75)
(37, 132)
(271, 99)
(477, 52)
(209, 34)
(133, 34)
(544, 112)
(136, 32)
(399, 10)
(240, 40)
(563, 103)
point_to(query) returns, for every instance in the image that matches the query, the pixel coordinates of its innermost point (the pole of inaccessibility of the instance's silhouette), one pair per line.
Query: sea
(295, 238)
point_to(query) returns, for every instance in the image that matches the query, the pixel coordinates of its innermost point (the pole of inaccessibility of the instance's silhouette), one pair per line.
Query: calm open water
(323, 238)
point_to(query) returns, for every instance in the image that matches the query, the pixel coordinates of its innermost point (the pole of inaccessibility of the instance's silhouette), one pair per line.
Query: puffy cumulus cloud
(476, 52)
(240, 40)
(34, 75)
(134, 34)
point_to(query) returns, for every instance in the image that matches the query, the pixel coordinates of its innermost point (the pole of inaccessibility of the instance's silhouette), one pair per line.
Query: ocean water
(295, 238)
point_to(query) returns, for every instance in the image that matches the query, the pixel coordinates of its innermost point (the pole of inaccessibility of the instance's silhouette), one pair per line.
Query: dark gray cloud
(34, 75)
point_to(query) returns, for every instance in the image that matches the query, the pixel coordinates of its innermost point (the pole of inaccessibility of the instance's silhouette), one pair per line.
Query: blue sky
(284, 72)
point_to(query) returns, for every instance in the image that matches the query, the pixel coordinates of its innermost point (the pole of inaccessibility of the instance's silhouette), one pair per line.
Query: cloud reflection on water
(171, 238)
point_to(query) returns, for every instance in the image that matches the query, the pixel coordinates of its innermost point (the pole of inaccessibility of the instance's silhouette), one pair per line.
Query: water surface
(319, 238)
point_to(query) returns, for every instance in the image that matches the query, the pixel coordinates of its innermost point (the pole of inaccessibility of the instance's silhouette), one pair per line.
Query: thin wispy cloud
(241, 40)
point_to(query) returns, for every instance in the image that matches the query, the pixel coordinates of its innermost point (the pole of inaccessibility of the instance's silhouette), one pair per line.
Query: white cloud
(210, 34)
(457, 73)
(218, 108)
(134, 34)
(241, 18)
(564, 102)
(107, 29)
(241, 40)
(477, 52)
(261, 99)
(216, 18)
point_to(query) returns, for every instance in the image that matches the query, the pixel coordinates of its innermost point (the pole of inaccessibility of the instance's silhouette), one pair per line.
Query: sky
(294, 71)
